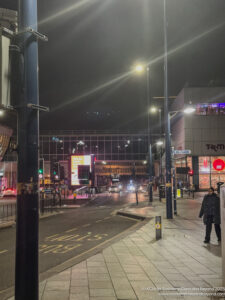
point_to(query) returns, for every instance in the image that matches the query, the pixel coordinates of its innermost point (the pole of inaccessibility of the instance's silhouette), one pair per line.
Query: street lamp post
(169, 210)
(140, 69)
(26, 273)
(154, 110)
(149, 138)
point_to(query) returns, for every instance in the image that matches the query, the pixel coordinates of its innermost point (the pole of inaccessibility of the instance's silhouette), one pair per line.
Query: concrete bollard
(158, 227)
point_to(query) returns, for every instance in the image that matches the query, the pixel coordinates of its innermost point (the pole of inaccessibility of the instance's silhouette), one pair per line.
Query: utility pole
(168, 184)
(26, 273)
(160, 168)
(149, 139)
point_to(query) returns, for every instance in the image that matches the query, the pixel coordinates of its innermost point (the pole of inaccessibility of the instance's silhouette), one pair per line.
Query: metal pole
(26, 273)
(169, 211)
(150, 174)
(174, 193)
(160, 124)
(149, 139)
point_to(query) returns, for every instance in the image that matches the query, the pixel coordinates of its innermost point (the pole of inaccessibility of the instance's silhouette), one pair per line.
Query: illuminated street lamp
(139, 68)
(159, 143)
(1, 113)
(154, 110)
(189, 110)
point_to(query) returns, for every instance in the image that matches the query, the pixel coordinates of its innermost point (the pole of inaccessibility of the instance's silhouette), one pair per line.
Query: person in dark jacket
(210, 211)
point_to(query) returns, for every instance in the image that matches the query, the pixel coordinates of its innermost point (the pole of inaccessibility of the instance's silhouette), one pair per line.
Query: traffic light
(61, 172)
(41, 168)
(191, 172)
(54, 169)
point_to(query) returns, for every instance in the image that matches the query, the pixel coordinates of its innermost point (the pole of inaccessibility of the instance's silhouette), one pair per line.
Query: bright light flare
(67, 10)
(1, 112)
(189, 110)
(153, 109)
(159, 143)
(139, 68)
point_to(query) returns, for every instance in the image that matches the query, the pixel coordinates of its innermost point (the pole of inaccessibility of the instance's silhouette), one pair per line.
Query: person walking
(210, 210)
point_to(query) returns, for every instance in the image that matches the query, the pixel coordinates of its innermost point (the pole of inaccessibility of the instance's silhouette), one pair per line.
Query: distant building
(116, 152)
(203, 133)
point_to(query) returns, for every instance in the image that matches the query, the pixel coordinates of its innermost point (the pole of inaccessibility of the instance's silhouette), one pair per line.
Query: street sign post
(184, 152)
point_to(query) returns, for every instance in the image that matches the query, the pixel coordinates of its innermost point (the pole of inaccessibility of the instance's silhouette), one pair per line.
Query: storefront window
(208, 176)
(204, 172)
(217, 176)
(210, 109)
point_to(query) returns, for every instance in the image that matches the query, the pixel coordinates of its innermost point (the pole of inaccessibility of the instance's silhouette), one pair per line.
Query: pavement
(178, 266)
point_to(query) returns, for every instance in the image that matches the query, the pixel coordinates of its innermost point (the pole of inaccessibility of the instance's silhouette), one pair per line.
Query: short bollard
(136, 192)
(158, 228)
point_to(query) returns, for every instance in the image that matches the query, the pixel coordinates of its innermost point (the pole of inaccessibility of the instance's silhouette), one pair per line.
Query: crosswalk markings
(73, 229)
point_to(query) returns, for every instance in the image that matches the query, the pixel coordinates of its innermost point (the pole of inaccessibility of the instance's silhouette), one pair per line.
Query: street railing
(7, 212)
(48, 205)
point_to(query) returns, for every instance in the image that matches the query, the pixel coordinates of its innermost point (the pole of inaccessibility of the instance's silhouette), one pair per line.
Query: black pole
(149, 139)
(169, 211)
(150, 174)
(26, 273)
(174, 193)
(160, 124)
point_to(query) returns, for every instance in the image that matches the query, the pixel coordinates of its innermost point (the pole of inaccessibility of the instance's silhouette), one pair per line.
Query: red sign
(218, 164)
(191, 172)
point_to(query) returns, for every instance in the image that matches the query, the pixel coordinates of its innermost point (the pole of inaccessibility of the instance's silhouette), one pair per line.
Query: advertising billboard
(80, 169)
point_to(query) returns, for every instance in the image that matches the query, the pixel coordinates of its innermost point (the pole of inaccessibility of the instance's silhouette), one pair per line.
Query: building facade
(203, 133)
(122, 153)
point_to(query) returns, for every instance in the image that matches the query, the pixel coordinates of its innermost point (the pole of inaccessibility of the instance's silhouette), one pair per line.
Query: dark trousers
(209, 229)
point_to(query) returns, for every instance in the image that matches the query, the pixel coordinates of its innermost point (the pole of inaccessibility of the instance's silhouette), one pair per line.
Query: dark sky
(94, 42)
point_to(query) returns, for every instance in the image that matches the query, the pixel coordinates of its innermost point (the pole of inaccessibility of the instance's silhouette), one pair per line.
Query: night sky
(85, 67)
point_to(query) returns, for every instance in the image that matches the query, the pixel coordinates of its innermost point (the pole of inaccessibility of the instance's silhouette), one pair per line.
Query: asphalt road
(69, 235)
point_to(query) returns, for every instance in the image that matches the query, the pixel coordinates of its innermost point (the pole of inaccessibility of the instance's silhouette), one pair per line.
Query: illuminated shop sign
(215, 147)
(218, 164)
(80, 169)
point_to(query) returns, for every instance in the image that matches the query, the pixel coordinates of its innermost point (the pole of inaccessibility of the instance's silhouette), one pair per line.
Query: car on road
(142, 188)
(115, 188)
(131, 187)
(9, 192)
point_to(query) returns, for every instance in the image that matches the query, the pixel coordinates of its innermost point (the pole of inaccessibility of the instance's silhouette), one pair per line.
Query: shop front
(204, 171)
(211, 171)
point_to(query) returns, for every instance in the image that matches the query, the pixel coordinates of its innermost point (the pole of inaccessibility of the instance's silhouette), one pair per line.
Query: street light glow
(159, 143)
(1, 112)
(139, 68)
(189, 110)
(153, 109)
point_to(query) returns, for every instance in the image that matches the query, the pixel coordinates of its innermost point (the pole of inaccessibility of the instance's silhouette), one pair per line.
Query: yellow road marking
(83, 237)
(86, 225)
(61, 238)
(99, 245)
(3, 251)
(48, 237)
(98, 221)
(71, 230)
